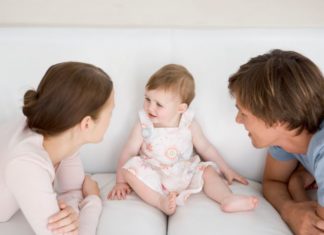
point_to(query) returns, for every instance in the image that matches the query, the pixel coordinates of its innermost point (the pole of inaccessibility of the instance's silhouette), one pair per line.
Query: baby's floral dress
(167, 161)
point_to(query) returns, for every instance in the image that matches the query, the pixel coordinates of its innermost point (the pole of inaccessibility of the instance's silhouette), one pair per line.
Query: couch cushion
(201, 215)
(17, 225)
(131, 216)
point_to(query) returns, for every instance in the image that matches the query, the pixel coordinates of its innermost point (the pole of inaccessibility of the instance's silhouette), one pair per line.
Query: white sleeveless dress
(167, 161)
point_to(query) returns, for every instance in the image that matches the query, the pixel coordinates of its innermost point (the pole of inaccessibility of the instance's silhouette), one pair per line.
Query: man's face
(261, 134)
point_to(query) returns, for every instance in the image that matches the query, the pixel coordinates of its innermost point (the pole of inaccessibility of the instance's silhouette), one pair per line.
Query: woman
(40, 169)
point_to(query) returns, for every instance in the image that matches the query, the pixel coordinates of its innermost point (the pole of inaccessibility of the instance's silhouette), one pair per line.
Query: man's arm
(300, 216)
(299, 181)
(275, 182)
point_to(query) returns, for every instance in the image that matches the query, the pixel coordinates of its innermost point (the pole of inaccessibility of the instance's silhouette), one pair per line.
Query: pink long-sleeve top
(27, 177)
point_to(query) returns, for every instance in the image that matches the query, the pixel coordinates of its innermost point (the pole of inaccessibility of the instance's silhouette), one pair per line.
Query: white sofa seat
(130, 57)
(131, 216)
(199, 216)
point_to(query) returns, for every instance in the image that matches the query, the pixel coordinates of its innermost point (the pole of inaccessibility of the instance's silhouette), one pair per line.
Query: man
(280, 102)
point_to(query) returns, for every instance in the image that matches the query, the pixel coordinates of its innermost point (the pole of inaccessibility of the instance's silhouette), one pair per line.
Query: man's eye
(159, 105)
(147, 99)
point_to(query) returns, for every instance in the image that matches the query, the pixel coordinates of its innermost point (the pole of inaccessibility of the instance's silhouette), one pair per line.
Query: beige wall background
(163, 13)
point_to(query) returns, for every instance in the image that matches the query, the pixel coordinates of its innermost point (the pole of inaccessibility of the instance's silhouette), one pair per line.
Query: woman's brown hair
(281, 86)
(67, 93)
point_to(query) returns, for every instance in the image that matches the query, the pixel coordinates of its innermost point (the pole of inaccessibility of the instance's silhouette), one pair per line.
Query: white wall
(163, 13)
(130, 56)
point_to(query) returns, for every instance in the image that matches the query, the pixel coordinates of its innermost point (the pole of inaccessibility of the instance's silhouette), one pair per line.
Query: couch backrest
(130, 56)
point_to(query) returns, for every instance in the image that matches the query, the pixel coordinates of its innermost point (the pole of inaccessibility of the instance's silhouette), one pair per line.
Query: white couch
(130, 56)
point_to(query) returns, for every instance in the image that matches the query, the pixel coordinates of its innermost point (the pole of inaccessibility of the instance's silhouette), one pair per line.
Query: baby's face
(163, 107)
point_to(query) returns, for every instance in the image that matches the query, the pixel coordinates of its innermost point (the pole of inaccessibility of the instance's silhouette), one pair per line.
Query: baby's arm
(209, 153)
(299, 180)
(132, 147)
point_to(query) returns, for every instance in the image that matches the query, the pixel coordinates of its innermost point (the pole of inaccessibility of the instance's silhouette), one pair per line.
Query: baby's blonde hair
(175, 78)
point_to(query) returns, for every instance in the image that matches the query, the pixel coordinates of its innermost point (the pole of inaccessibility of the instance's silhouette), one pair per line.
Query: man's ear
(183, 107)
(86, 123)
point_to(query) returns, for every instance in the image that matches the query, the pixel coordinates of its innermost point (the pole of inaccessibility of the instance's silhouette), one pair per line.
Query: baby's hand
(119, 191)
(231, 175)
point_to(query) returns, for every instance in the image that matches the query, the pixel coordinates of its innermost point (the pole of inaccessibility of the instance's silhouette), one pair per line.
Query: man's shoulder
(280, 154)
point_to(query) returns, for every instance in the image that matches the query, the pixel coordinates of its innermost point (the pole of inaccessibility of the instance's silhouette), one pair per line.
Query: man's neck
(293, 143)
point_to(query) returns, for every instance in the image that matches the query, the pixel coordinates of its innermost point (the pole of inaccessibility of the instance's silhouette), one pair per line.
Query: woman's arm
(72, 184)
(31, 184)
(70, 174)
(65, 221)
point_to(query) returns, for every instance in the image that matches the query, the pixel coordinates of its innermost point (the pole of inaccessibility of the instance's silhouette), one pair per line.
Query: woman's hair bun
(30, 99)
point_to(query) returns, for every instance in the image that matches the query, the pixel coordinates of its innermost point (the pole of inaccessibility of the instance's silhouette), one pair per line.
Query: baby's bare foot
(168, 204)
(236, 203)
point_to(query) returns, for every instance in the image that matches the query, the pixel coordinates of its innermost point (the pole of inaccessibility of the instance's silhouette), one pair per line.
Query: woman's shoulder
(19, 144)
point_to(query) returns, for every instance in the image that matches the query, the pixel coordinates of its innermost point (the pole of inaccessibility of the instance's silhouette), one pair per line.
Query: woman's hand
(231, 175)
(119, 191)
(66, 221)
(90, 187)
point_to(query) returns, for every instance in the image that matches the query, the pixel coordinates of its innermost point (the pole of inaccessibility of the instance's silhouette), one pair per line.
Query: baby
(160, 161)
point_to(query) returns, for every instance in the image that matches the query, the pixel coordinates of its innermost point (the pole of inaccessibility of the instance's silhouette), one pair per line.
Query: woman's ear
(183, 107)
(86, 123)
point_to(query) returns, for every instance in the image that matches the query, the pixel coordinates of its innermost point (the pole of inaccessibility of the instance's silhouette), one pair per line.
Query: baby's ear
(183, 107)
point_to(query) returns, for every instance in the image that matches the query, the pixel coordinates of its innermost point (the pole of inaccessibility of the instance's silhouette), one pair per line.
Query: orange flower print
(201, 168)
(164, 188)
(171, 153)
(149, 147)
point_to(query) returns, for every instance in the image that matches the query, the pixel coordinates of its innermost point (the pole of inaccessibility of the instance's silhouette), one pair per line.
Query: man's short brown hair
(281, 86)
